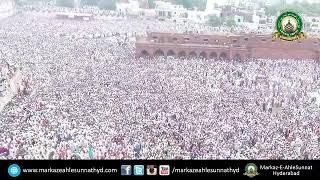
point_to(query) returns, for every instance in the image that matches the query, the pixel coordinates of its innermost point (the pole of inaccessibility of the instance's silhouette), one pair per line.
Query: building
(237, 47)
(197, 16)
(228, 12)
(221, 3)
(314, 22)
(239, 19)
(74, 16)
(211, 9)
(132, 7)
(7, 8)
(210, 6)
(167, 10)
(148, 13)
(308, 1)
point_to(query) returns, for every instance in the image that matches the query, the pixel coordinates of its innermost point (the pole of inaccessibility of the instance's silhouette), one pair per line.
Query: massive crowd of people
(172, 24)
(88, 97)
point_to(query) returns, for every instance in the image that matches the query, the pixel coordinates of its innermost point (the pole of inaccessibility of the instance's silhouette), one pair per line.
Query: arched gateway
(159, 53)
(171, 53)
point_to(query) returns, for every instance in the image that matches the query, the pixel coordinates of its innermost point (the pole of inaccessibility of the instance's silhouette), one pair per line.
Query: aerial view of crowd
(88, 97)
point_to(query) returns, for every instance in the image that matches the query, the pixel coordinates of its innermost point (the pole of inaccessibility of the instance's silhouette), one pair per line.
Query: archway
(192, 54)
(237, 57)
(170, 53)
(223, 56)
(203, 55)
(182, 54)
(213, 55)
(159, 53)
(145, 53)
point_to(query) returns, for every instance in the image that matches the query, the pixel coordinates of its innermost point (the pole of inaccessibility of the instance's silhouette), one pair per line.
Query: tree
(201, 4)
(107, 4)
(271, 10)
(65, 3)
(192, 4)
(151, 4)
(214, 21)
(186, 3)
(300, 7)
(230, 22)
(32, 2)
(90, 2)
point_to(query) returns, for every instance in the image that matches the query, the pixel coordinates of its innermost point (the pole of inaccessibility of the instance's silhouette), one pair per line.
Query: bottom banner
(98, 168)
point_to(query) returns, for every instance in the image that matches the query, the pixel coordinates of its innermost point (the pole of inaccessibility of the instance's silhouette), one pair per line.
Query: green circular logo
(289, 24)
(251, 170)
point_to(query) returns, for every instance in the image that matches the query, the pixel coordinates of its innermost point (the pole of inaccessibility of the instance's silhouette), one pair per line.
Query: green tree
(107, 4)
(29, 2)
(186, 3)
(230, 22)
(300, 7)
(192, 4)
(214, 21)
(151, 3)
(276, 7)
(65, 3)
(201, 4)
(271, 10)
(90, 2)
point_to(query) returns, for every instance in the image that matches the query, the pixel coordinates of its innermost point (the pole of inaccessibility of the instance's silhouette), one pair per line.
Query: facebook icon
(125, 170)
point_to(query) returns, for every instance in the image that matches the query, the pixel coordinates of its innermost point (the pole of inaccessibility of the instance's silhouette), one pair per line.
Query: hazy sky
(272, 1)
(292, 1)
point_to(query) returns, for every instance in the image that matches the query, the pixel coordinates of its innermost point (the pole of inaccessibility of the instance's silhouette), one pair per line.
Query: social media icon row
(138, 170)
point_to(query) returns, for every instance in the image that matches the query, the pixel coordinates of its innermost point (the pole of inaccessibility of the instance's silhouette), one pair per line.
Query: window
(186, 39)
(246, 39)
(155, 37)
(206, 40)
(234, 41)
(174, 39)
(263, 40)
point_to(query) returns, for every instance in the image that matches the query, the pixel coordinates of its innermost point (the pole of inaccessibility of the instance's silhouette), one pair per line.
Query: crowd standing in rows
(88, 97)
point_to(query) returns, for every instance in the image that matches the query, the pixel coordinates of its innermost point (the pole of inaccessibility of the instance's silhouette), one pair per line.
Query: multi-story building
(131, 7)
(167, 10)
(7, 8)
